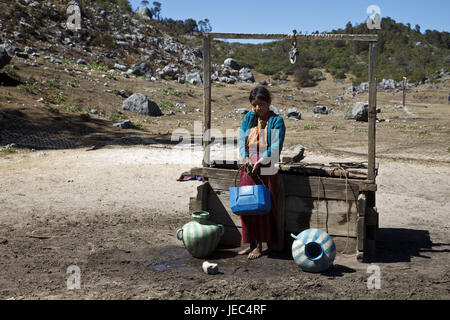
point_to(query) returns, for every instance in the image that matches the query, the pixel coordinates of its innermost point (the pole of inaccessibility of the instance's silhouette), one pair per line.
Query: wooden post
(372, 111)
(404, 91)
(361, 226)
(206, 99)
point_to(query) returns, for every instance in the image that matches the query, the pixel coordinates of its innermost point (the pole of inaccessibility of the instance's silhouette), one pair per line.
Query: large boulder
(231, 63)
(246, 75)
(4, 56)
(144, 13)
(142, 104)
(360, 112)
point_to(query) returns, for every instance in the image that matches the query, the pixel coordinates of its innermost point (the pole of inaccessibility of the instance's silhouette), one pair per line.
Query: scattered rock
(141, 69)
(241, 110)
(82, 62)
(321, 110)
(299, 153)
(144, 13)
(246, 75)
(4, 56)
(55, 60)
(273, 109)
(124, 124)
(210, 268)
(294, 114)
(22, 55)
(194, 78)
(93, 111)
(231, 63)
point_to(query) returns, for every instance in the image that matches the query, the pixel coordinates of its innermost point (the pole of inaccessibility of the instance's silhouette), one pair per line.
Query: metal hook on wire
(293, 53)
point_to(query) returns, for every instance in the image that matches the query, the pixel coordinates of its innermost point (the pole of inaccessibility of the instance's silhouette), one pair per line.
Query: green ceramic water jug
(201, 236)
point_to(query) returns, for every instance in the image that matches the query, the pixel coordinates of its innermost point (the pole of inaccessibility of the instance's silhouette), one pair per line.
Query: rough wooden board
(280, 215)
(361, 222)
(319, 187)
(344, 245)
(323, 170)
(313, 187)
(328, 215)
(228, 176)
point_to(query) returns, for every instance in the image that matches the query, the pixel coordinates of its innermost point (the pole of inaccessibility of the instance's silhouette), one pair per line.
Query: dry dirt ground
(113, 211)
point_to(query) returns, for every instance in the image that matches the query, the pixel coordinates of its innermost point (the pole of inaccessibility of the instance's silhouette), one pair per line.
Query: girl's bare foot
(256, 252)
(245, 251)
(248, 250)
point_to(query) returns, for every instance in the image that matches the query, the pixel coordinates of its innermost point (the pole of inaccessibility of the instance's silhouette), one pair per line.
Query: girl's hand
(257, 165)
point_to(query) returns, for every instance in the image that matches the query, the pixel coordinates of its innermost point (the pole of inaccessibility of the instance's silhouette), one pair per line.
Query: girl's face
(261, 107)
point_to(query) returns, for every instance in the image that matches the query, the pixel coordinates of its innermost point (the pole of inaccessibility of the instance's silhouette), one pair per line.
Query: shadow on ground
(399, 245)
(65, 131)
(7, 81)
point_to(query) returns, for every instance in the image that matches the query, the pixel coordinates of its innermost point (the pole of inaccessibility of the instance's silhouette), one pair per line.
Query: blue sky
(282, 16)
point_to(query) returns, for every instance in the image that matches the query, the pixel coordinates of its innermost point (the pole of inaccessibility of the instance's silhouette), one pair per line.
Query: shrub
(71, 108)
(11, 70)
(138, 126)
(171, 92)
(30, 88)
(53, 98)
(53, 82)
(73, 84)
(304, 78)
(53, 110)
(85, 116)
(117, 116)
(8, 149)
(164, 105)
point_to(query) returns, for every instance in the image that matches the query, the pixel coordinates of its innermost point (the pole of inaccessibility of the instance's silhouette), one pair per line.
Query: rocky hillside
(111, 37)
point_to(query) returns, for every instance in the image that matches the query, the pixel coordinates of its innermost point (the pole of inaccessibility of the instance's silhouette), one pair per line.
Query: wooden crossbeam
(322, 36)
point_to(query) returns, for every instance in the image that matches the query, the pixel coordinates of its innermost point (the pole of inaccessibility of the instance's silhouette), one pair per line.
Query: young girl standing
(261, 138)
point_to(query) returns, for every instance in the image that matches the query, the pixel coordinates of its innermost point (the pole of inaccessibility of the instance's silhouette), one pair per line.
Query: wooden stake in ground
(404, 91)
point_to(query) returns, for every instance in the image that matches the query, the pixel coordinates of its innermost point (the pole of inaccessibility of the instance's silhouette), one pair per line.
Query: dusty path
(113, 212)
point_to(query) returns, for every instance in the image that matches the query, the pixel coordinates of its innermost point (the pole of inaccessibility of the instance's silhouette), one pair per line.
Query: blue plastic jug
(250, 200)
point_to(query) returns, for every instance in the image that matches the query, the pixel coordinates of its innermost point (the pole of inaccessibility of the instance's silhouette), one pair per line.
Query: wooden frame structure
(361, 192)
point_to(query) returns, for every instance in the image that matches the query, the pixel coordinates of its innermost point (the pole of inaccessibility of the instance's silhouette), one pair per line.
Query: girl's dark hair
(260, 93)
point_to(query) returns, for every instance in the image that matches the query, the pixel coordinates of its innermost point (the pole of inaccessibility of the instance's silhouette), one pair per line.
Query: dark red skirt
(263, 228)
